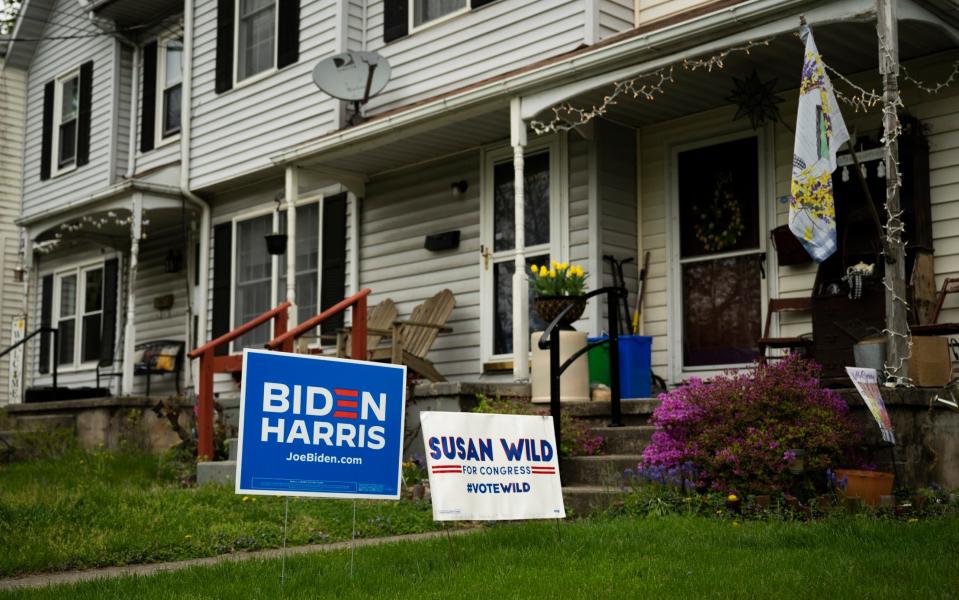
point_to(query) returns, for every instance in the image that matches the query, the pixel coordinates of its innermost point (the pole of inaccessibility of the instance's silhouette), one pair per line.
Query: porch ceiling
(402, 147)
(848, 47)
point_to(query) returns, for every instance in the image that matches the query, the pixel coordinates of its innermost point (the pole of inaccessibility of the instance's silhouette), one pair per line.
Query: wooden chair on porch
(411, 340)
(778, 306)
(379, 319)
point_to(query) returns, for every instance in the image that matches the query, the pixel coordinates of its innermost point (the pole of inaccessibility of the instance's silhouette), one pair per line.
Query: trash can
(635, 365)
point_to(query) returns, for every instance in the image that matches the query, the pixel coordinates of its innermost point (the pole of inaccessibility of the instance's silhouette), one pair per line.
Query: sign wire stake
(353, 543)
(449, 539)
(286, 516)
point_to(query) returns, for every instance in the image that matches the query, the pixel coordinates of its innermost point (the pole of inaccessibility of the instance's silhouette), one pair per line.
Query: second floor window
(426, 11)
(67, 112)
(256, 37)
(171, 85)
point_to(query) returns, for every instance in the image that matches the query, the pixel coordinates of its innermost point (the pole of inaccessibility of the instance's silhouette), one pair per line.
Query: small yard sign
(867, 383)
(317, 426)
(492, 467)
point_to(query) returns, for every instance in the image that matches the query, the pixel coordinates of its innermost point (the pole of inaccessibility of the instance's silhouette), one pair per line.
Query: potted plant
(555, 289)
(871, 486)
(276, 243)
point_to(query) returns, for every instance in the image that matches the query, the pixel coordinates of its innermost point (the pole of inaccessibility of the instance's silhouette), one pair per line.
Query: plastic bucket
(868, 485)
(634, 364)
(870, 353)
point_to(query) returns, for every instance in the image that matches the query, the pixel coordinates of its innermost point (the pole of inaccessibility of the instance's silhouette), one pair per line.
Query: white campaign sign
(486, 467)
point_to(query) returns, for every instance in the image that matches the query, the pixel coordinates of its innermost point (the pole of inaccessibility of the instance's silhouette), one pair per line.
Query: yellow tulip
(552, 274)
(543, 271)
(563, 266)
(534, 269)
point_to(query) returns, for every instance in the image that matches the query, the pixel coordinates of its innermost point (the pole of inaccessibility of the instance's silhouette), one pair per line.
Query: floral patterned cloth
(820, 131)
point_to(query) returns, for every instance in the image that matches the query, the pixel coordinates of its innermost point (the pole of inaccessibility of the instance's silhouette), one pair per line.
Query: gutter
(605, 58)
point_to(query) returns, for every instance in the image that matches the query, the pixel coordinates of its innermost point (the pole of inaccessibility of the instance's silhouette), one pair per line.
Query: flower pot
(548, 307)
(868, 485)
(276, 243)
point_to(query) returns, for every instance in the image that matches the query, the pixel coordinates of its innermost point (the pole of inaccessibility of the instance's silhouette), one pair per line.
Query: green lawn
(100, 508)
(663, 557)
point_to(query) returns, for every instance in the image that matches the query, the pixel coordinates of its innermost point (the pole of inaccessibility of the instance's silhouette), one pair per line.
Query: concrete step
(631, 439)
(219, 471)
(588, 499)
(597, 470)
(634, 412)
(45, 422)
(231, 446)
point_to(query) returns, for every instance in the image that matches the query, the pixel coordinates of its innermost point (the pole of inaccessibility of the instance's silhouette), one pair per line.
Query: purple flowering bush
(738, 431)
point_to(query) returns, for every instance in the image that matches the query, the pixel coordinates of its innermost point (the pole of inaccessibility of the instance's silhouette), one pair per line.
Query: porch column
(520, 288)
(129, 331)
(292, 194)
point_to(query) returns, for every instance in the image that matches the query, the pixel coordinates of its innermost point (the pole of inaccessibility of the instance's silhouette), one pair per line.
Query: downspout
(134, 104)
(186, 121)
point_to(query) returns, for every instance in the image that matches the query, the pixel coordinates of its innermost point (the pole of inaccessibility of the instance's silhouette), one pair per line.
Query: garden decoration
(755, 100)
(554, 287)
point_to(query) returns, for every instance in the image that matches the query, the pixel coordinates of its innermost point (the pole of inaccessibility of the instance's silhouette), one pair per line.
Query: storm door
(721, 254)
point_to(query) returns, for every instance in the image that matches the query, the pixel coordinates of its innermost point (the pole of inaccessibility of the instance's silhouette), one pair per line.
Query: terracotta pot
(868, 485)
(548, 307)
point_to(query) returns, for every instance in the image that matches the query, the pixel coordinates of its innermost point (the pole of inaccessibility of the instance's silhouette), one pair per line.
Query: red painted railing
(210, 364)
(358, 334)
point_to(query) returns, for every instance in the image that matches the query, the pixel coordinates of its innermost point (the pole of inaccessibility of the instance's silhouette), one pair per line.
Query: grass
(100, 508)
(667, 557)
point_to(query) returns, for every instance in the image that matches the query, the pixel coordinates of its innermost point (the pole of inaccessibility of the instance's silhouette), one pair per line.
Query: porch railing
(56, 349)
(358, 335)
(550, 340)
(210, 364)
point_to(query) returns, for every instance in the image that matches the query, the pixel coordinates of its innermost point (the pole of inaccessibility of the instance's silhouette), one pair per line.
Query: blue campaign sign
(318, 426)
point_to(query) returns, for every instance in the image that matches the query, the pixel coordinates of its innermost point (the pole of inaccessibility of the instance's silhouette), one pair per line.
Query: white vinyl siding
(52, 58)
(654, 10)
(472, 46)
(616, 163)
(12, 107)
(615, 16)
(231, 133)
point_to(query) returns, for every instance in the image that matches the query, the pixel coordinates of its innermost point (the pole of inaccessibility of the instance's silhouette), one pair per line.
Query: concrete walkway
(45, 579)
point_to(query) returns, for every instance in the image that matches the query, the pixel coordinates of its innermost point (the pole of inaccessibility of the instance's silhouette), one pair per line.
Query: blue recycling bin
(635, 364)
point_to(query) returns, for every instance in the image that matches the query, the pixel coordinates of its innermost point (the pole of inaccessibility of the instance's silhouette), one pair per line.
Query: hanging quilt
(820, 131)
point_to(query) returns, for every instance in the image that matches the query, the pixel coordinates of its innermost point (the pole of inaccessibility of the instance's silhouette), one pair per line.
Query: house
(12, 105)
(145, 226)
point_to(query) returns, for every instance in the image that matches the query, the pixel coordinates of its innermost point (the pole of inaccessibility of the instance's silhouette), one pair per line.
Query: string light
(717, 60)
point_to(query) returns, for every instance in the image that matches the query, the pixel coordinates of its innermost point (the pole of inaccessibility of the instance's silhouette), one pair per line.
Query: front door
(720, 251)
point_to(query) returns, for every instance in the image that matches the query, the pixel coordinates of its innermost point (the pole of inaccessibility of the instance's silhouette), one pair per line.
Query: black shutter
(46, 314)
(222, 261)
(46, 140)
(479, 3)
(108, 335)
(148, 108)
(83, 121)
(288, 29)
(333, 288)
(396, 17)
(224, 45)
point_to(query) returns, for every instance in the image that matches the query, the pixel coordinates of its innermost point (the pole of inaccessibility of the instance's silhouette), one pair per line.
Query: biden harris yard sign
(492, 467)
(317, 426)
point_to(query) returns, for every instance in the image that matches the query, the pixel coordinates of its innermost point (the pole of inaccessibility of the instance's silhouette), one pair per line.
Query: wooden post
(358, 340)
(204, 417)
(897, 341)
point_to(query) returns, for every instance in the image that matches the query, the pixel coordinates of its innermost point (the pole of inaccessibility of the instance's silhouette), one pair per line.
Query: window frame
(159, 139)
(237, 82)
(277, 294)
(59, 81)
(411, 15)
(80, 270)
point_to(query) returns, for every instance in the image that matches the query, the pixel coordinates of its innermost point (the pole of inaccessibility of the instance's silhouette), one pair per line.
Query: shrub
(576, 439)
(738, 431)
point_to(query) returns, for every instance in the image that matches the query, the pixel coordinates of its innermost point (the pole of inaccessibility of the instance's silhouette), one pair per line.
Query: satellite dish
(354, 76)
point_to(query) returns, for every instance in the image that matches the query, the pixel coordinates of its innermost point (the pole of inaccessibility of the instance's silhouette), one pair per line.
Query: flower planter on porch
(868, 485)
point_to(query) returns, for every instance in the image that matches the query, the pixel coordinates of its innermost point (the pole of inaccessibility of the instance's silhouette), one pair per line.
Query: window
(170, 84)
(426, 11)
(66, 114)
(78, 317)
(255, 37)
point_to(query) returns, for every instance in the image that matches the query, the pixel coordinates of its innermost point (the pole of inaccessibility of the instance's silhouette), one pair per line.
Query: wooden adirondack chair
(380, 319)
(411, 340)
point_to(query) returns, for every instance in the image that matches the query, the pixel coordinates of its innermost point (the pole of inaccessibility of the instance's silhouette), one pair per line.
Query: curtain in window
(428, 10)
(257, 28)
(254, 273)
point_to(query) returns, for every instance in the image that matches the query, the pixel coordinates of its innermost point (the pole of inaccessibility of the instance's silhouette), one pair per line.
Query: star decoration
(755, 99)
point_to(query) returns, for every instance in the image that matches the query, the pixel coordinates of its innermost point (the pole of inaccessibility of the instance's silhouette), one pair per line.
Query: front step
(219, 471)
(597, 470)
(631, 439)
(587, 499)
(634, 412)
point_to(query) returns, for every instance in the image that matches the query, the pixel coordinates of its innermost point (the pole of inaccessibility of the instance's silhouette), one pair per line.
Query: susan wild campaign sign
(492, 467)
(318, 426)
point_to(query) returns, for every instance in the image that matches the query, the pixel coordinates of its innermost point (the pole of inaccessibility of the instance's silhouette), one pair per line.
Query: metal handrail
(551, 342)
(242, 329)
(359, 324)
(56, 348)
